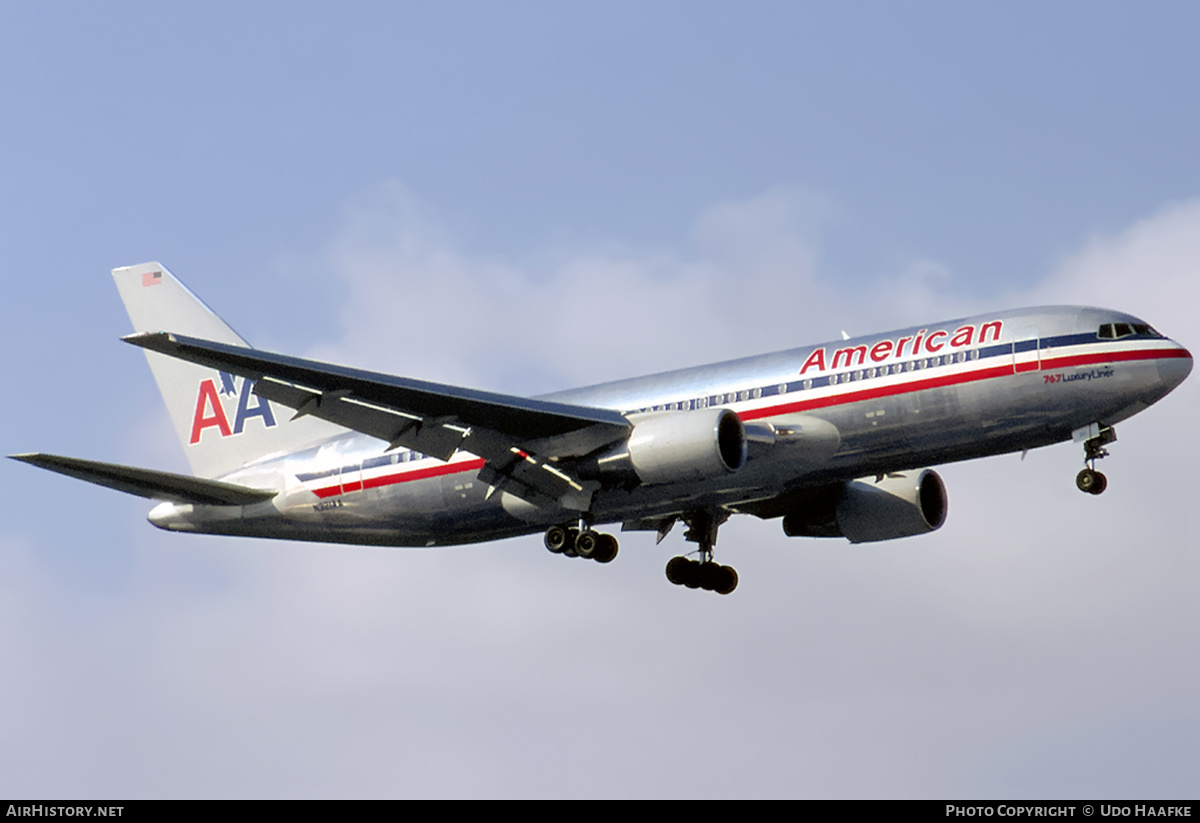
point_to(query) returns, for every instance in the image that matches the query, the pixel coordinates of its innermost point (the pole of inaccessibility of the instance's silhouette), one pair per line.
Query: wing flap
(155, 485)
(428, 436)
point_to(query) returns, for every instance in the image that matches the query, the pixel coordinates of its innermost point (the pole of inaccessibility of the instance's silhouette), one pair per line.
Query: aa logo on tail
(210, 412)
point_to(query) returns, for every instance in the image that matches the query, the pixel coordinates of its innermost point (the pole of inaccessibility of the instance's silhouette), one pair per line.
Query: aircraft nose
(1175, 369)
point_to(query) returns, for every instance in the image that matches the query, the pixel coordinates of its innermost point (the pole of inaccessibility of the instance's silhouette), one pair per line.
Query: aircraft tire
(677, 570)
(557, 539)
(606, 550)
(725, 579)
(1091, 481)
(587, 543)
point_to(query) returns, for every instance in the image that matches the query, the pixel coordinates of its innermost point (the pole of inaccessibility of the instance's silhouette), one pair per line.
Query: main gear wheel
(707, 575)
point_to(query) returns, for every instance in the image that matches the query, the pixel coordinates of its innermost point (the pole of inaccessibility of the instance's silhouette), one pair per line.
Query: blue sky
(529, 196)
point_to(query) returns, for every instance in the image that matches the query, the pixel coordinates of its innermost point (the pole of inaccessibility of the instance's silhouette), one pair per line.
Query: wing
(521, 440)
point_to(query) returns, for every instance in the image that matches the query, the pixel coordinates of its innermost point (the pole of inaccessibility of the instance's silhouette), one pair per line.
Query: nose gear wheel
(1089, 480)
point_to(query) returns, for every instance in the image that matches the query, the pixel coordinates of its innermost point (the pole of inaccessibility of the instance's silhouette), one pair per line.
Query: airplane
(833, 439)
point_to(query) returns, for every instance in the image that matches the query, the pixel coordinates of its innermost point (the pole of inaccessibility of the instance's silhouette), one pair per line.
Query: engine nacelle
(678, 446)
(863, 510)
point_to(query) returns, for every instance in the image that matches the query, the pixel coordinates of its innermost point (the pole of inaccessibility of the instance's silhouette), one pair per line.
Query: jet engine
(677, 446)
(869, 509)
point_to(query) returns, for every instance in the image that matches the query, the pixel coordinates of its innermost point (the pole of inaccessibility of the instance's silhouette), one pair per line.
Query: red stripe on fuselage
(1107, 357)
(878, 391)
(804, 405)
(957, 379)
(401, 477)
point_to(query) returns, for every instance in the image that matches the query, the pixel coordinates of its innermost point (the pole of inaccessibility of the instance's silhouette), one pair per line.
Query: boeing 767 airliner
(833, 438)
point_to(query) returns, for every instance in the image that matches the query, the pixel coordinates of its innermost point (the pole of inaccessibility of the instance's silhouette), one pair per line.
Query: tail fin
(221, 423)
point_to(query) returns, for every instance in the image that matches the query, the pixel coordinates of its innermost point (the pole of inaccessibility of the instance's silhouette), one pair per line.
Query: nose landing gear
(1095, 437)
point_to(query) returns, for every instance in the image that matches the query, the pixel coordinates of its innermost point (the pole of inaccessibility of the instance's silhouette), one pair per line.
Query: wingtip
(149, 339)
(39, 460)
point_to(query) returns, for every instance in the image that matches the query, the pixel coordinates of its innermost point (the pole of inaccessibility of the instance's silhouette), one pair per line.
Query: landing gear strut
(703, 573)
(582, 542)
(1097, 437)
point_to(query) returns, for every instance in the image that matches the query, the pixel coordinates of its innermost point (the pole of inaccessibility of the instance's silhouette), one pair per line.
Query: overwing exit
(832, 439)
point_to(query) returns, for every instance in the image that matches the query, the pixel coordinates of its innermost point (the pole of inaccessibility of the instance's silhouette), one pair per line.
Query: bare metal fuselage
(814, 416)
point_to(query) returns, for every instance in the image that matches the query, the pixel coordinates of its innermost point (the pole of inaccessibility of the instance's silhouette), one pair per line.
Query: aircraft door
(1026, 347)
(352, 477)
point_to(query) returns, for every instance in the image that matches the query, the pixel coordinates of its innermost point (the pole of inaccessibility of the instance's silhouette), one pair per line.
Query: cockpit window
(1112, 331)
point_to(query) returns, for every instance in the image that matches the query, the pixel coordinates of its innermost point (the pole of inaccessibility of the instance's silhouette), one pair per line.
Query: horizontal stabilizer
(156, 485)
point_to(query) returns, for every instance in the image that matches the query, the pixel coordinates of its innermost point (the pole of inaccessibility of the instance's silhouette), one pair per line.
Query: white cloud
(417, 305)
(1151, 269)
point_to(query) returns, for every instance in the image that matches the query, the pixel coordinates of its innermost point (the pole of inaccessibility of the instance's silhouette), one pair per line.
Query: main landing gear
(703, 573)
(582, 542)
(697, 574)
(1089, 480)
